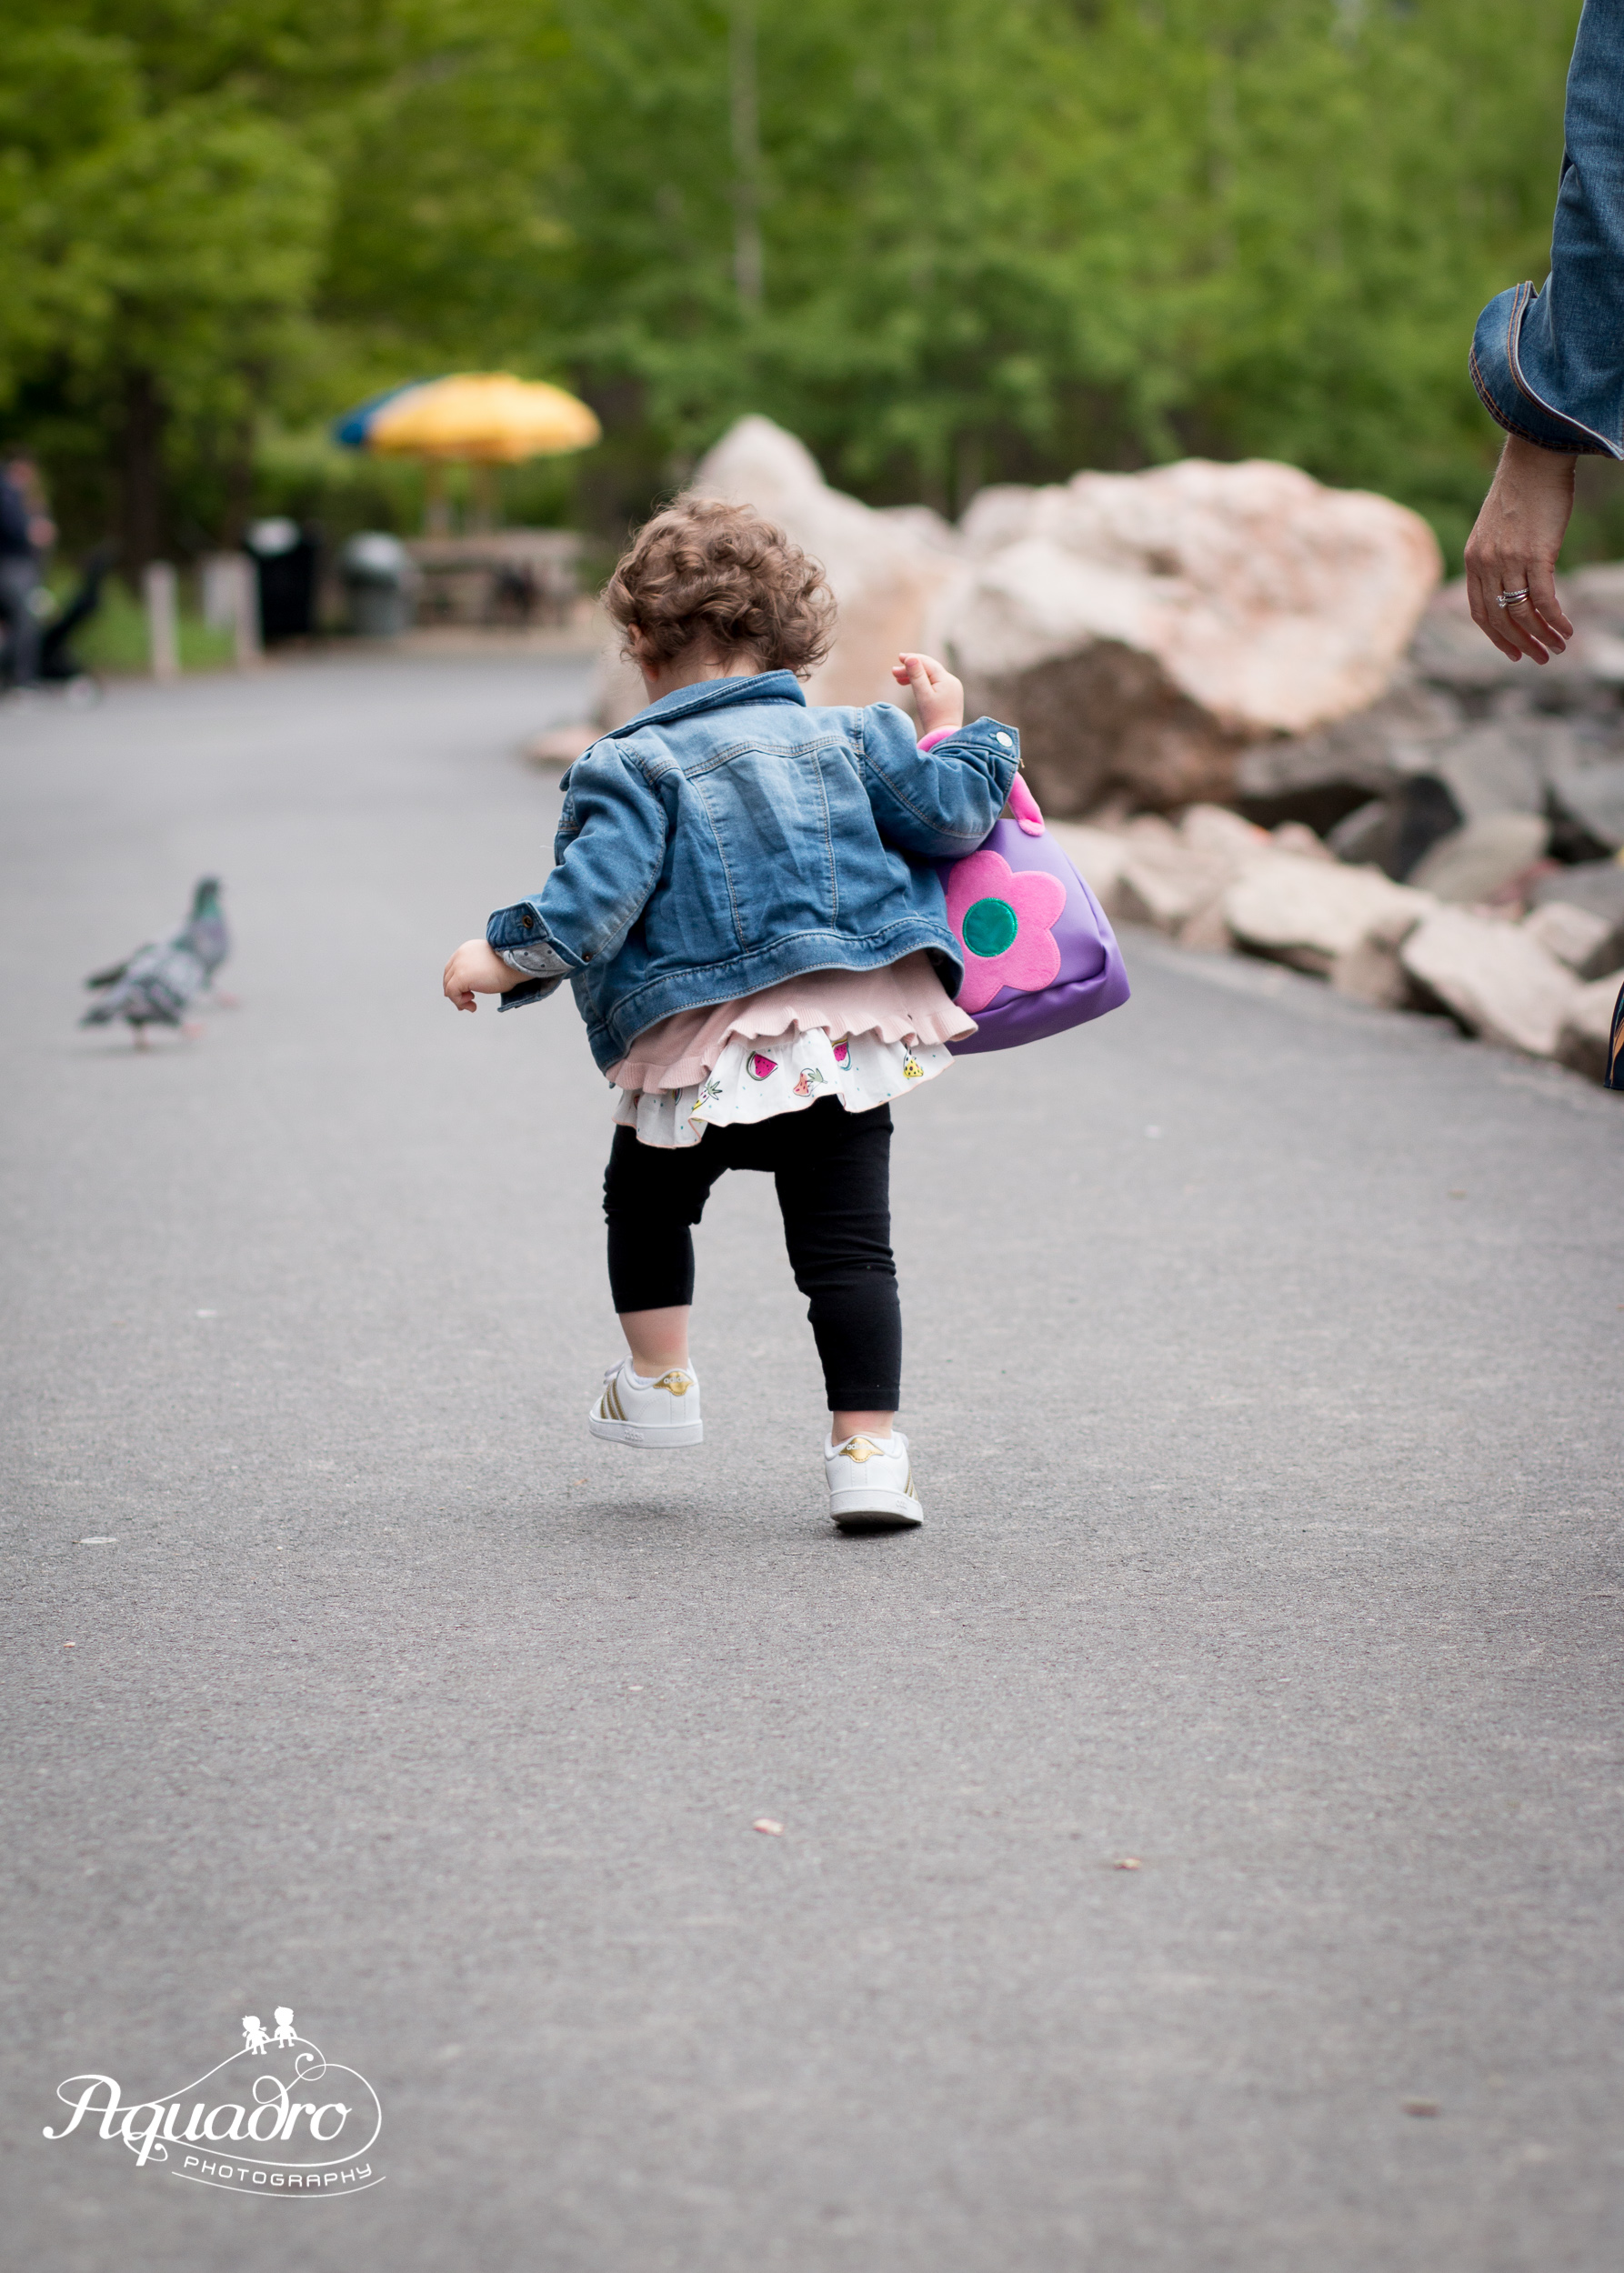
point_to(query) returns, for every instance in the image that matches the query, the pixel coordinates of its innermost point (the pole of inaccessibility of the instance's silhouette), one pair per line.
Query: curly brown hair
(708, 573)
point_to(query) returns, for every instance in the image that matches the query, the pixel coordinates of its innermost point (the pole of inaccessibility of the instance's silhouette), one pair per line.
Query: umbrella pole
(437, 509)
(485, 515)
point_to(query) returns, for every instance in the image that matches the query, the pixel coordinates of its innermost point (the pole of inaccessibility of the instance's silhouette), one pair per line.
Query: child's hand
(476, 969)
(939, 698)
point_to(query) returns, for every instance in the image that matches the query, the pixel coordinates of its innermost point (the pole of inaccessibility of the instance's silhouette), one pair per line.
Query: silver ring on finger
(1509, 599)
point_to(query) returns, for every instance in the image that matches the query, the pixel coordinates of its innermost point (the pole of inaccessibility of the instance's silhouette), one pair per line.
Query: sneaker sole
(875, 1511)
(647, 1439)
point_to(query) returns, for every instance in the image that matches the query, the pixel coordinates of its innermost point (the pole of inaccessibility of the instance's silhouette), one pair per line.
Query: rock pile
(1520, 979)
(1465, 737)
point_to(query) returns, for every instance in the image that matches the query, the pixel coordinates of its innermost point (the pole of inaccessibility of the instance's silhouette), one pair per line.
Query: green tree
(947, 241)
(1015, 237)
(168, 255)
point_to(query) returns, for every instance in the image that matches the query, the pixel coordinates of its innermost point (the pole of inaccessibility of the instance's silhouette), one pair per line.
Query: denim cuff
(544, 971)
(1508, 371)
(534, 962)
(531, 990)
(520, 926)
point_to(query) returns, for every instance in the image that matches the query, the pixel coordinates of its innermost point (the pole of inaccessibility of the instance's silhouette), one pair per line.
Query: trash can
(284, 558)
(379, 583)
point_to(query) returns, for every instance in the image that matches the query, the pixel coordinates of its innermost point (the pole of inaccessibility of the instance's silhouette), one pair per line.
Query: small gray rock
(1480, 856)
(1585, 942)
(1593, 796)
(1398, 830)
(1496, 768)
(1593, 888)
(1595, 885)
(1497, 981)
(1360, 836)
(1319, 779)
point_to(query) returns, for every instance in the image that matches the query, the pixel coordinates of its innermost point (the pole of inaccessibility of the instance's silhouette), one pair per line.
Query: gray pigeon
(157, 985)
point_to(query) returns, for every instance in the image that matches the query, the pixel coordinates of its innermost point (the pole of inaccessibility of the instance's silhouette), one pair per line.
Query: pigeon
(157, 985)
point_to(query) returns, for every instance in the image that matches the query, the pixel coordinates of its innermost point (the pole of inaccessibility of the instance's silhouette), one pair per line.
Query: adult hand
(1514, 547)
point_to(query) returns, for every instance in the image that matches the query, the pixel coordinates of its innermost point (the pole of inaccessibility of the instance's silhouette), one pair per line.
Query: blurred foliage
(997, 239)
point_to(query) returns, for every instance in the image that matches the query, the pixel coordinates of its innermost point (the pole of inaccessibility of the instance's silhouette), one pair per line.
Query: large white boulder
(1142, 628)
(1495, 976)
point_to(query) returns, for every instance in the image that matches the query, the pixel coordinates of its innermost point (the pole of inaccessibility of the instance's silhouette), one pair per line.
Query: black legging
(832, 1170)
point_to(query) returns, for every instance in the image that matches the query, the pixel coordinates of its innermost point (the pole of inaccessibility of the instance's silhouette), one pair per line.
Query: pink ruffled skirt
(863, 1036)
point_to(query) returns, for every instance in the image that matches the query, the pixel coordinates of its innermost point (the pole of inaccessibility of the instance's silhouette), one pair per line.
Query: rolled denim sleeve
(609, 850)
(542, 970)
(940, 802)
(1550, 365)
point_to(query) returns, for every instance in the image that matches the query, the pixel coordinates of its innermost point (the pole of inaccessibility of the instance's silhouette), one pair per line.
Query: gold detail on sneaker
(862, 1448)
(611, 1402)
(679, 1383)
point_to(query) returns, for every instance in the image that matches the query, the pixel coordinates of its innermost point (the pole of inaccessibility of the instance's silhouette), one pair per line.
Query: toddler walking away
(744, 906)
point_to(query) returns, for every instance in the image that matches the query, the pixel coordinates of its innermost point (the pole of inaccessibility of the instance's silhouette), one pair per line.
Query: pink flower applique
(1005, 924)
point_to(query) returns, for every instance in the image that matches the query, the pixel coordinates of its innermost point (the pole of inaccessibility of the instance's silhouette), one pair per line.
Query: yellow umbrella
(488, 417)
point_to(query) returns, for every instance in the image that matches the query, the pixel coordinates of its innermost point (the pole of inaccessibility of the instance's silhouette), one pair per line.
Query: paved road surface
(1262, 1372)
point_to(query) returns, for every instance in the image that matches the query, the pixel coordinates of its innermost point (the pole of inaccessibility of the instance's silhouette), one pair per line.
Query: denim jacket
(729, 837)
(1550, 365)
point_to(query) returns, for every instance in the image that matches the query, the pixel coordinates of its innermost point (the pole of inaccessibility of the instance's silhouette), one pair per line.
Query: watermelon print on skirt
(755, 1081)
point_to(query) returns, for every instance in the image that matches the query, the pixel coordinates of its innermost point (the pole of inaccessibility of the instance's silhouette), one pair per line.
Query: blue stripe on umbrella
(352, 428)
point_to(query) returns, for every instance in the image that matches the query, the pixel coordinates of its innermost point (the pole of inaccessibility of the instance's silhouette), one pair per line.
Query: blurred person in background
(1550, 365)
(26, 533)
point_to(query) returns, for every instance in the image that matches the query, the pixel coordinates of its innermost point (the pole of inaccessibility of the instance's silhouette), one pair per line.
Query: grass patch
(115, 639)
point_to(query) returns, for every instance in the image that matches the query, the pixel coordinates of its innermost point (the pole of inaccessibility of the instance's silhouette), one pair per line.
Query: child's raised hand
(476, 969)
(939, 698)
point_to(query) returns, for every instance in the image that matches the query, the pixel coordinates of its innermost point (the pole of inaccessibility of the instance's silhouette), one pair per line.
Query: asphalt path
(1261, 1373)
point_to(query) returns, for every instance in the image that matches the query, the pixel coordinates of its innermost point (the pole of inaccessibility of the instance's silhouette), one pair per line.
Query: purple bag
(1038, 954)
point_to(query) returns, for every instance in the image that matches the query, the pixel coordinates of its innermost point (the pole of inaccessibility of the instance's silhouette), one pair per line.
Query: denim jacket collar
(687, 701)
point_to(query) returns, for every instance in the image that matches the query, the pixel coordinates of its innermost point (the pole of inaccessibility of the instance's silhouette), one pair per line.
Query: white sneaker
(871, 1484)
(659, 1415)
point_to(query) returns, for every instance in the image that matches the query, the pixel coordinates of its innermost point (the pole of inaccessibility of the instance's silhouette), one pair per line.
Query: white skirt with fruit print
(756, 1080)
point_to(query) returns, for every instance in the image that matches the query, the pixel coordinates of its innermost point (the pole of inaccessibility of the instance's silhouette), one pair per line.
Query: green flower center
(989, 927)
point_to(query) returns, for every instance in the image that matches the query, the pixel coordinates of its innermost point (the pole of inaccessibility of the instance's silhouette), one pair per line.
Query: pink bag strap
(1024, 806)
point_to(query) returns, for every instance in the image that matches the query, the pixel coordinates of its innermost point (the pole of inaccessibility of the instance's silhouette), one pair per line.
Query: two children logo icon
(255, 2037)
